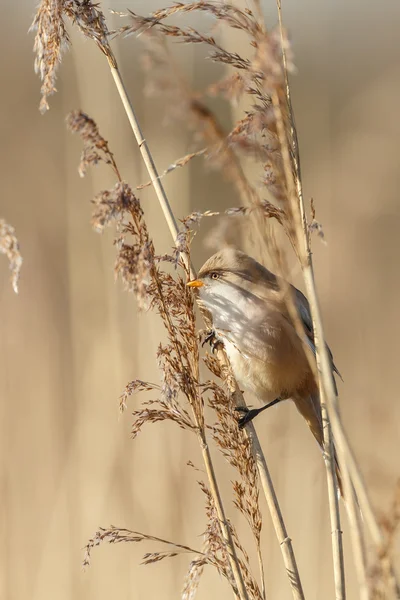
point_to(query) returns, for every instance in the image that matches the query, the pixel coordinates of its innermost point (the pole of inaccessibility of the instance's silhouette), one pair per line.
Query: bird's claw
(212, 339)
(248, 415)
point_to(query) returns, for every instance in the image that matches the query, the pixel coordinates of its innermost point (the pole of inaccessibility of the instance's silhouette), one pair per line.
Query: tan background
(72, 338)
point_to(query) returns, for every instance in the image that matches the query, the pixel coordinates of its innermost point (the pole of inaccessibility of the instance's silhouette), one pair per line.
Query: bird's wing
(305, 315)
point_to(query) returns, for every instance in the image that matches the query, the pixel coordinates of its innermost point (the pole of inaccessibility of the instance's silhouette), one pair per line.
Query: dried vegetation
(266, 134)
(10, 247)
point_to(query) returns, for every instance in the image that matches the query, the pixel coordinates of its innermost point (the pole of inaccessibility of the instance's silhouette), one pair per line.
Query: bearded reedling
(250, 318)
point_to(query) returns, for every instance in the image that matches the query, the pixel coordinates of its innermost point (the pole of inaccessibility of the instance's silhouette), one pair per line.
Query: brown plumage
(250, 318)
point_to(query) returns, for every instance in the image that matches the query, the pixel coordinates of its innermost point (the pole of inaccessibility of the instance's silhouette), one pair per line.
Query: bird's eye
(214, 276)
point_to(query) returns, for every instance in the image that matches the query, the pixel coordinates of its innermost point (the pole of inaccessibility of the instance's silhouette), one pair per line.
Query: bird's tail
(310, 410)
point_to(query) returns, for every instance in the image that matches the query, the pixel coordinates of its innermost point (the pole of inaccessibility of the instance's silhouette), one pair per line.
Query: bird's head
(231, 277)
(231, 267)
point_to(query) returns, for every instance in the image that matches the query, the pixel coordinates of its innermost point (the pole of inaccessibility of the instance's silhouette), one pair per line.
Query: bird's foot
(250, 413)
(211, 338)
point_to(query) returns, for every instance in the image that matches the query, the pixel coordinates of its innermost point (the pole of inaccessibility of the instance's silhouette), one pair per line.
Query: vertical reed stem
(337, 544)
(345, 452)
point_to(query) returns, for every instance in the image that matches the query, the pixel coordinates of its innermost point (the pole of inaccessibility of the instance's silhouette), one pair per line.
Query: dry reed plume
(266, 133)
(10, 247)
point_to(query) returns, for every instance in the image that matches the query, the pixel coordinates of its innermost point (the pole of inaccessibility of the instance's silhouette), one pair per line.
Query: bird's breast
(252, 374)
(264, 350)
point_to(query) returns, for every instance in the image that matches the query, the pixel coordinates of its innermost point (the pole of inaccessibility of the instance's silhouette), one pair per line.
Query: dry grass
(267, 133)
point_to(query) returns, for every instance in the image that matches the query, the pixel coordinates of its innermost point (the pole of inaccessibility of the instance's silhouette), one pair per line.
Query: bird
(249, 315)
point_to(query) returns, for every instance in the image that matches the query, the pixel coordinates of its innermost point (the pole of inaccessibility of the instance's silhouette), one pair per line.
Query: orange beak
(196, 283)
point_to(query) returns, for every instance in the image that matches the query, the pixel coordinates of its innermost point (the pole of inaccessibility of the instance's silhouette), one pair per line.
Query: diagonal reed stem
(265, 478)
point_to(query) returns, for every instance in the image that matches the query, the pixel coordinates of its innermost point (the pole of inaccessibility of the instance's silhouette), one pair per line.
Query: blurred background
(72, 339)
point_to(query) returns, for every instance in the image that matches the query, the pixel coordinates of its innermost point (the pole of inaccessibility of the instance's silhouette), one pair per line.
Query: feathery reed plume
(224, 149)
(213, 553)
(10, 247)
(117, 535)
(51, 41)
(95, 147)
(52, 38)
